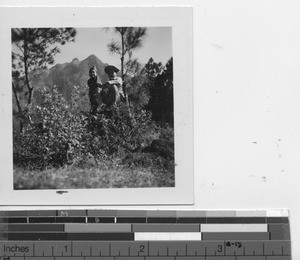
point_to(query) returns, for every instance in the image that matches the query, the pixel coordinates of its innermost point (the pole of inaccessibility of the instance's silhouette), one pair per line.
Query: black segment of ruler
(161, 220)
(101, 220)
(131, 220)
(13, 220)
(219, 220)
(36, 227)
(57, 219)
(42, 220)
(70, 220)
(277, 220)
(192, 220)
(248, 220)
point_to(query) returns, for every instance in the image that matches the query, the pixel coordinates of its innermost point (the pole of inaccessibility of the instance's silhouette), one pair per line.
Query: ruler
(144, 235)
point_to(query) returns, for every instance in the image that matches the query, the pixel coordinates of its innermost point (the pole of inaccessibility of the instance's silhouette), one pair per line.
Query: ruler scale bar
(143, 248)
(144, 235)
(143, 220)
(157, 258)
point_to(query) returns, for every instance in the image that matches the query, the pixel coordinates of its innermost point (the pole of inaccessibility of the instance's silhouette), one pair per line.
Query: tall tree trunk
(20, 111)
(122, 64)
(26, 71)
(17, 99)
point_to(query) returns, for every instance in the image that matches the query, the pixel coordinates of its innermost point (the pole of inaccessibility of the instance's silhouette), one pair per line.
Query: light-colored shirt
(118, 82)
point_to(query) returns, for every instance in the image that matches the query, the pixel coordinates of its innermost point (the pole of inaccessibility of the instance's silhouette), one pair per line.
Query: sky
(157, 44)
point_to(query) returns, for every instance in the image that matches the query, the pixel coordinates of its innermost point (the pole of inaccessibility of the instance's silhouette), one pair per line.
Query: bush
(60, 133)
(121, 128)
(54, 136)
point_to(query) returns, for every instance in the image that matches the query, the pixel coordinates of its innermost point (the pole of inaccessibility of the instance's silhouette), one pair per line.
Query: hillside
(67, 75)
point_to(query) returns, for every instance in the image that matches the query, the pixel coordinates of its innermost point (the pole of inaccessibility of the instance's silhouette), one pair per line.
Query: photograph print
(92, 108)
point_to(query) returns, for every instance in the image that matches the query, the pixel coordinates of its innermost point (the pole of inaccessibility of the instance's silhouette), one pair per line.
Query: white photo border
(181, 21)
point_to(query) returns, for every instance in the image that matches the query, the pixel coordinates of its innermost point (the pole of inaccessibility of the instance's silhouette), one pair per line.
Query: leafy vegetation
(60, 144)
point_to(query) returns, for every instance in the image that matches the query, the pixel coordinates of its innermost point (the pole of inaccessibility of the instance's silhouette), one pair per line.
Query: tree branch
(20, 48)
(16, 54)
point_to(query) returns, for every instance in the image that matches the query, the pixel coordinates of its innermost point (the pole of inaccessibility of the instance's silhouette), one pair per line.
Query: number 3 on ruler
(220, 248)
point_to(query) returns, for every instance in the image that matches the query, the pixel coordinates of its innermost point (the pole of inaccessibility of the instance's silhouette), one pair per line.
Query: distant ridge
(67, 75)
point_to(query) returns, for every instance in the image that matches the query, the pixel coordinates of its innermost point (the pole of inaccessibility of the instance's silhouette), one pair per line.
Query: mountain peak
(92, 56)
(75, 60)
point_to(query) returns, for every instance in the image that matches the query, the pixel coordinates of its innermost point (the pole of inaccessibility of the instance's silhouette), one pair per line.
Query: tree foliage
(34, 48)
(161, 102)
(131, 39)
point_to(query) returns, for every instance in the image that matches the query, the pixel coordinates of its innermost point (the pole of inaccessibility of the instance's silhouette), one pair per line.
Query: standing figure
(112, 91)
(94, 85)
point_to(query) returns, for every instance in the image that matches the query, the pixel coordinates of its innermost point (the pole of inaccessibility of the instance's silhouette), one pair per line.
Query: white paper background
(247, 104)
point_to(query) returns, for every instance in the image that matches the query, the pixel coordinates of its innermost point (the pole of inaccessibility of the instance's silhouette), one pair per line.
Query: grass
(112, 175)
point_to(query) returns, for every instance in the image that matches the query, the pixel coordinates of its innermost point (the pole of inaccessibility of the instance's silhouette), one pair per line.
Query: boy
(94, 85)
(112, 91)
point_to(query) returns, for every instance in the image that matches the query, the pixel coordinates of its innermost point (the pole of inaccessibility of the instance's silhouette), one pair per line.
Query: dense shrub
(60, 133)
(54, 136)
(122, 127)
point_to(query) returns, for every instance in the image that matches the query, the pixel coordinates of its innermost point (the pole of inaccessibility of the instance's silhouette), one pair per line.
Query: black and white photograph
(97, 101)
(92, 107)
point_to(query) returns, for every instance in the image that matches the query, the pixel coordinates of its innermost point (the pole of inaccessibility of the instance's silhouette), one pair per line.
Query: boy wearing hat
(94, 85)
(112, 90)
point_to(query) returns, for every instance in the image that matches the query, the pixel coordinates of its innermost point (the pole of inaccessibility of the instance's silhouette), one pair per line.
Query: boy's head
(111, 71)
(93, 72)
